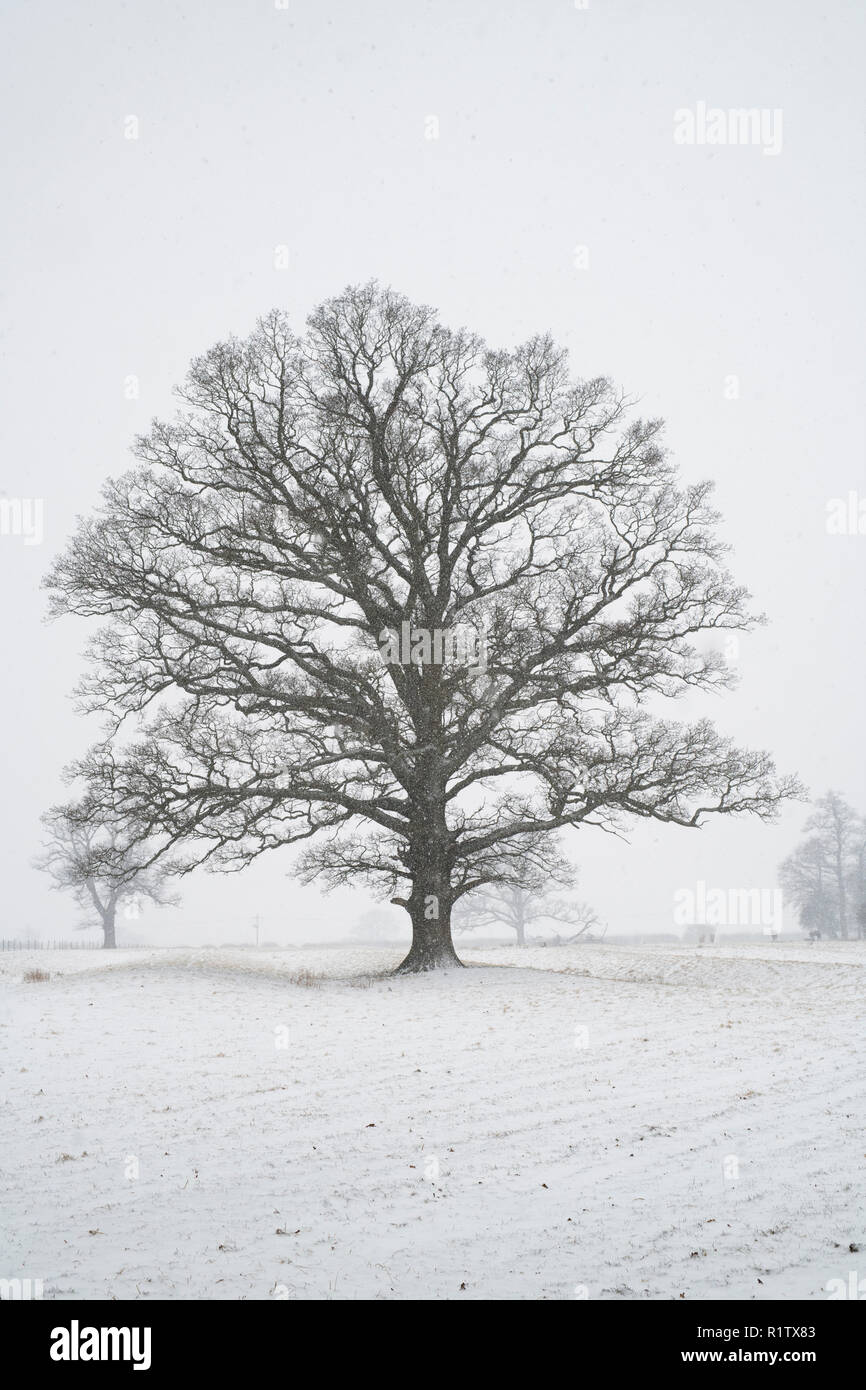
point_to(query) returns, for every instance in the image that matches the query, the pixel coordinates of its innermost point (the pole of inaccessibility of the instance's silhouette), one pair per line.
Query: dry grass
(307, 979)
(35, 977)
(368, 980)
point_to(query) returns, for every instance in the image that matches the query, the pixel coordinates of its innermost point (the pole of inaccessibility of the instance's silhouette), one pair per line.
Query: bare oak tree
(807, 881)
(825, 876)
(279, 575)
(99, 867)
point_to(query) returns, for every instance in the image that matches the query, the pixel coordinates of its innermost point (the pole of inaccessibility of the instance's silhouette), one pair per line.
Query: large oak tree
(317, 492)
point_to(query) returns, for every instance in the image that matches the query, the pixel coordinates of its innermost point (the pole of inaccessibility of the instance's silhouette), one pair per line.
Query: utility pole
(256, 927)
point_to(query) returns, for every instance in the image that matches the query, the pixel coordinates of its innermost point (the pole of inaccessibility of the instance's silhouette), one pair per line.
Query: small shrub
(306, 979)
(35, 977)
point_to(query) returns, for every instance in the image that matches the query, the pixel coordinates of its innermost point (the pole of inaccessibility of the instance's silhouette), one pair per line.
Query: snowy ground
(596, 1121)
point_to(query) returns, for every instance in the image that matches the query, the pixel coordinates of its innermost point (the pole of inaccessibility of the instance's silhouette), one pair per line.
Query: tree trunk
(520, 929)
(429, 903)
(108, 938)
(432, 947)
(840, 888)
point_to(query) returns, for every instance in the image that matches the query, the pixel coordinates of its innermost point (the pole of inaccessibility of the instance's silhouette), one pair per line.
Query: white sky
(305, 127)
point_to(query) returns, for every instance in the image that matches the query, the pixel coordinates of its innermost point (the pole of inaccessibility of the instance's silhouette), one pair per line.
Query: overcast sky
(514, 163)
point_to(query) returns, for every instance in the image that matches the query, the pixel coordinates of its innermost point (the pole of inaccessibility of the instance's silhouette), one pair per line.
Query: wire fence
(40, 944)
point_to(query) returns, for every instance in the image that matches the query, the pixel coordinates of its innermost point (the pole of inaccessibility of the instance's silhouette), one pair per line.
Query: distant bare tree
(858, 882)
(527, 895)
(101, 870)
(806, 879)
(379, 924)
(283, 580)
(824, 876)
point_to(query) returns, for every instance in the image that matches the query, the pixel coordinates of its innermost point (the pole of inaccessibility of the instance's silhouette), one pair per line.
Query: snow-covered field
(596, 1121)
